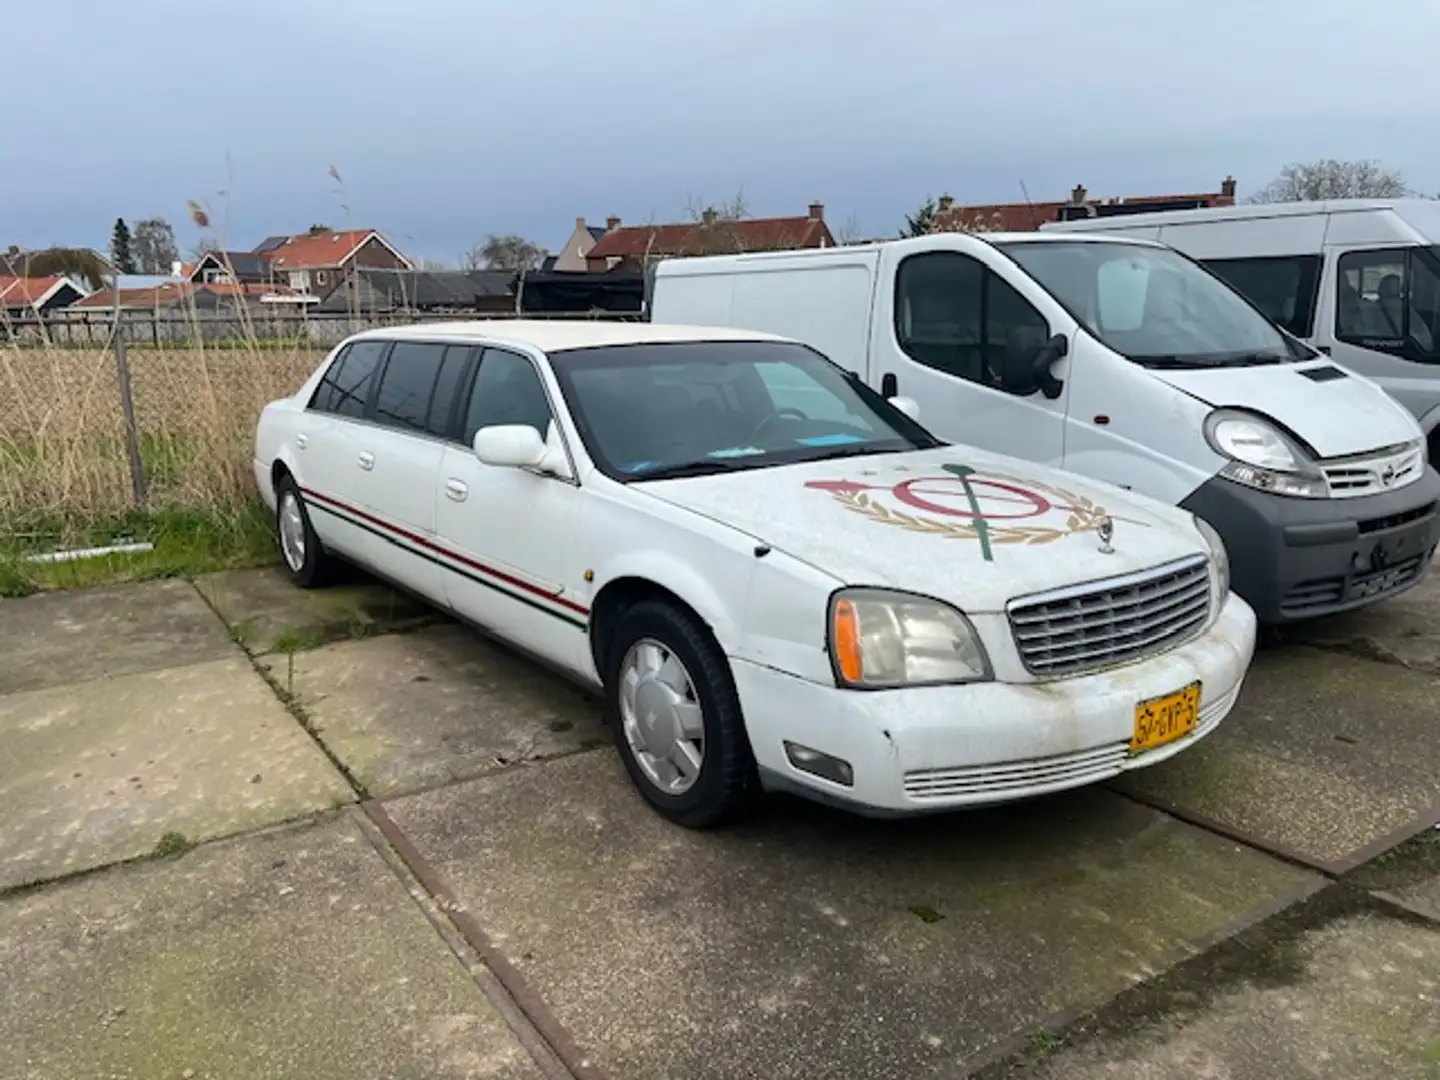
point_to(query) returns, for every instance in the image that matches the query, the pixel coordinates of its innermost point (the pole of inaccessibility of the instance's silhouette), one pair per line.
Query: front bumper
(928, 749)
(1295, 559)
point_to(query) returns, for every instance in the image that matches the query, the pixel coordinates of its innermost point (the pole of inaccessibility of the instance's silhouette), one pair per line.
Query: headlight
(1262, 456)
(1219, 560)
(883, 639)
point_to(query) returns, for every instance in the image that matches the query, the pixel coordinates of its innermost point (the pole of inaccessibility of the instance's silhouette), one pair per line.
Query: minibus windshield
(1154, 306)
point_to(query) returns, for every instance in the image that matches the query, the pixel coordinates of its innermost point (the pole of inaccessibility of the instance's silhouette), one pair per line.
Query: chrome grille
(1389, 469)
(1111, 622)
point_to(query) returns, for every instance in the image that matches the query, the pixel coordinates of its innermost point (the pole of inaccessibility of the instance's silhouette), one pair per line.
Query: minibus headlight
(1262, 456)
(1219, 560)
(880, 639)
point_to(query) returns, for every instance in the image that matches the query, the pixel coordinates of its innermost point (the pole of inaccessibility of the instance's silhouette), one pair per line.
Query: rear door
(412, 410)
(336, 442)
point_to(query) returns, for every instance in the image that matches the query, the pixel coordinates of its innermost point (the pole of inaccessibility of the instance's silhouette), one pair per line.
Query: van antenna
(1026, 194)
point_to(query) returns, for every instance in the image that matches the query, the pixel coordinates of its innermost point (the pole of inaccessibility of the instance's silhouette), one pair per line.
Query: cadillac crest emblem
(1105, 529)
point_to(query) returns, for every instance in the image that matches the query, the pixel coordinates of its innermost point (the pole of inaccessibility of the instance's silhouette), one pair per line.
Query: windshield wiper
(703, 467)
(850, 450)
(1198, 361)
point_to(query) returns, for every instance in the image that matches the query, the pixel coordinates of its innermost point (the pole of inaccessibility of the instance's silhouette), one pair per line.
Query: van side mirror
(1027, 362)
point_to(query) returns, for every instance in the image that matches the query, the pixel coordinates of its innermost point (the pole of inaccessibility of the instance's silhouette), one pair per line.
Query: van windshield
(1154, 306)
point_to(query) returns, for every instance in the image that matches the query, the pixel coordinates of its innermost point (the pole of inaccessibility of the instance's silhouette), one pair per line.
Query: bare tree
(153, 246)
(1330, 179)
(436, 265)
(734, 208)
(508, 253)
(849, 231)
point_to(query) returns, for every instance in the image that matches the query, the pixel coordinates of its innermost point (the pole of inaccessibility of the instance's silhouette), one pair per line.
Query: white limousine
(777, 578)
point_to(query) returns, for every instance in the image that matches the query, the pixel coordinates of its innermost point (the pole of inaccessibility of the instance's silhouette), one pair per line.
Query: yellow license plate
(1162, 720)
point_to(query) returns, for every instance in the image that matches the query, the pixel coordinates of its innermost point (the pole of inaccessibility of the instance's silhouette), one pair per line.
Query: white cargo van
(1357, 278)
(1123, 360)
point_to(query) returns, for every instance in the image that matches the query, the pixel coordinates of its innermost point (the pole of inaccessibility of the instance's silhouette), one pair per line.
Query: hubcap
(661, 716)
(292, 532)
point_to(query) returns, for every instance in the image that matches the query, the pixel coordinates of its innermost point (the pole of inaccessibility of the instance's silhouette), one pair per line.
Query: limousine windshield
(1154, 306)
(657, 411)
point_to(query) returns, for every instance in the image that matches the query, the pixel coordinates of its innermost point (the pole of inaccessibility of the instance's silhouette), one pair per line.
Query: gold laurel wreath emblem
(1085, 516)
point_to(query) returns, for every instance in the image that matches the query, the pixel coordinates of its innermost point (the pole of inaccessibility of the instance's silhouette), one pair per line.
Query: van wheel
(678, 726)
(306, 560)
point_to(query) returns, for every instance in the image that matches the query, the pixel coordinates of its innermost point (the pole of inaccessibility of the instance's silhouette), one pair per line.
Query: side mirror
(1027, 362)
(909, 406)
(512, 446)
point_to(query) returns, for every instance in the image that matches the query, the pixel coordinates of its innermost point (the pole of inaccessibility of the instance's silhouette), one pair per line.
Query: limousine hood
(956, 523)
(1337, 416)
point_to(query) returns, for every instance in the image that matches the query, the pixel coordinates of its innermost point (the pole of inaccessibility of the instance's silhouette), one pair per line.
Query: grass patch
(187, 542)
(173, 844)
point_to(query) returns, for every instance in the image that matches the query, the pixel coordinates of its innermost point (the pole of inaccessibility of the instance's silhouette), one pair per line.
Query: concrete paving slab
(291, 954)
(54, 639)
(441, 704)
(807, 942)
(266, 613)
(1332, 988)
(1404, 630)
(1324, 755)
(99, 772)
(1410, 874)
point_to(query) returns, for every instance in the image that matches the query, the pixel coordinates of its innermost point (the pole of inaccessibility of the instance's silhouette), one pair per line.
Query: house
(86, 267)
(571, 256)
(1028, 217)
(318, 261)
(216, 267)
(632, 247)
(25, 297)
(368, 291)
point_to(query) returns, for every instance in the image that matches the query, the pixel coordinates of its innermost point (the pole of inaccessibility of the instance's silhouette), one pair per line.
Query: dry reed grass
(62, 435)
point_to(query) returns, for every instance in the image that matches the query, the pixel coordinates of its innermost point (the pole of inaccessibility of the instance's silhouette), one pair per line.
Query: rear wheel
(677, 717)
(306, 560)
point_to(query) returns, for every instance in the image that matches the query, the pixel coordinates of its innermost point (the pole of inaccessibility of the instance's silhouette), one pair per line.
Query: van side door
(944, 319)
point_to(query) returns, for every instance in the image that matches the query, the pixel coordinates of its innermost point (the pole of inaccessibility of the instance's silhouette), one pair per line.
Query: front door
(513, 566)
(940, 337)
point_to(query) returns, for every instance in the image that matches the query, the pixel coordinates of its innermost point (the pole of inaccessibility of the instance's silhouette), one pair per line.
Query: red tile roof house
(319, 261)
(27, 297)
(1028, 217)
(631, 247)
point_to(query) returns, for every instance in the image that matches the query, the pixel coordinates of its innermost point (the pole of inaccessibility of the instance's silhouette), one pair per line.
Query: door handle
(456, 490)
(301, 440)
(367, 460)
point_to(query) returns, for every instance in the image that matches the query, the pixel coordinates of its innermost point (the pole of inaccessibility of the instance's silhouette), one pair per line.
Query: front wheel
(677, 717)
(307, 562)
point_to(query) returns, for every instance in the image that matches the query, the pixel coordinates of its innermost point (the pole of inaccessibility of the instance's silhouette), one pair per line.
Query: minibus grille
(1370, 475)
(1102, 624)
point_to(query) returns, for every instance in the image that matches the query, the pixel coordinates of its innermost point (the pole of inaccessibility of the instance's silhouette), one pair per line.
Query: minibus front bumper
(1295, 559)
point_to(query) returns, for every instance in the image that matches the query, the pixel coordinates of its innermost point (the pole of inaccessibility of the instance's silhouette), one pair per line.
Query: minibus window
(1389, 301)
(1153, 305)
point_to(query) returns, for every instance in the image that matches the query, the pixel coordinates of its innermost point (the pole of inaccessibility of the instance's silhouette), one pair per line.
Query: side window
(1284, 288)
(955, 315)
(407, 385)
(447, 388)
(344, 390)
(507, 390)
(1370, 296)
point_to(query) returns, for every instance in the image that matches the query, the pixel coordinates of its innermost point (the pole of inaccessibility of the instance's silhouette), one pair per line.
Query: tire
(645, 638)
(309, 566)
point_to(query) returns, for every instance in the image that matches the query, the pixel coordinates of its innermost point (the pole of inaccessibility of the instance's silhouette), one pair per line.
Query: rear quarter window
(345, 388)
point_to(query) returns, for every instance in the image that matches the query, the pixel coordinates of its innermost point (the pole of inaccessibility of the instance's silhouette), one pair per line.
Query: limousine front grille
(1374, 473)
(1076, 630)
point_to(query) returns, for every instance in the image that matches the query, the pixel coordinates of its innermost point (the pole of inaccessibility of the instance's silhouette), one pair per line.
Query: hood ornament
(1105, 529)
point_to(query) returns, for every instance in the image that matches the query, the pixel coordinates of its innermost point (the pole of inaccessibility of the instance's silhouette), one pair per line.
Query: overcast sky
(451, 119)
